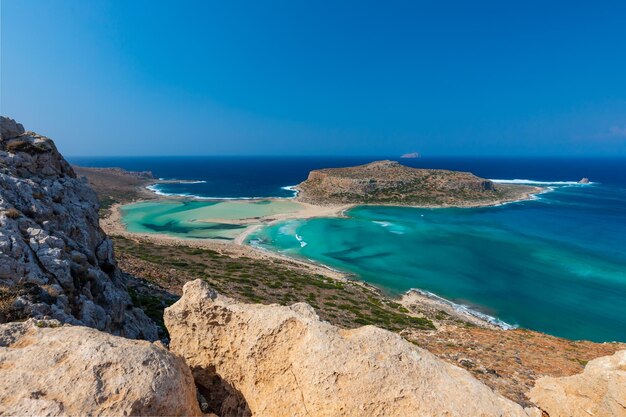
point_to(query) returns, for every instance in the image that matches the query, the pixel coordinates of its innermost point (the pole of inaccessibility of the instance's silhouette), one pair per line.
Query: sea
(555, 264)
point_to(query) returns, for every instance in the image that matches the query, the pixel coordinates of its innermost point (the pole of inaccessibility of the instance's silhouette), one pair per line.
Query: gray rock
(9, 128)
(53, 254)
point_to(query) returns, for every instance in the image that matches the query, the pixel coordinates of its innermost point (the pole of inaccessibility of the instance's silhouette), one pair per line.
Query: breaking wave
(461, 308)
(291, 188)
(533, 182)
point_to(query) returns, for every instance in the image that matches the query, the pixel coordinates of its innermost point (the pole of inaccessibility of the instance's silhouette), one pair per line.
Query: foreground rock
(252, 359)
(388, 182)
(55, 261)
(74, 370)
(599, 391)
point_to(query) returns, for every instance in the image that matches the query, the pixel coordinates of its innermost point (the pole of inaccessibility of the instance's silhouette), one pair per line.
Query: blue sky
(321, 77)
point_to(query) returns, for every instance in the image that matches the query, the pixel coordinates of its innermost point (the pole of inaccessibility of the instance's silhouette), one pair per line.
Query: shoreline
(238, 247)
(474, 316)
(113, 225)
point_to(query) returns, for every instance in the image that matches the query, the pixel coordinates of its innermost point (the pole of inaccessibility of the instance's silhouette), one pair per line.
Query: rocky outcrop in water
(388, 182)
(252, 359)
(600, 390)
(46, 369)
(55, 261)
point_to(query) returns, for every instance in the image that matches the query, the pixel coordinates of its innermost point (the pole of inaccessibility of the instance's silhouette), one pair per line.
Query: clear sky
(318, 77)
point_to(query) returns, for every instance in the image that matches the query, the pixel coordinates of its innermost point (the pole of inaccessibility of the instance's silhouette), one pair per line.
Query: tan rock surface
(75, 370)
(283, 361)
(600, 390)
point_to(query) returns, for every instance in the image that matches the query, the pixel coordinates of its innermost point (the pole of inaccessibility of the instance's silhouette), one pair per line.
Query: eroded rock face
(600, 390)
(55, 261)
(75, 370)
(283, 361)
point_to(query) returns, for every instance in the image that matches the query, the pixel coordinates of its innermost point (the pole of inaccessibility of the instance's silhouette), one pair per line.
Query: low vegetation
(12, 311)
(347, 304)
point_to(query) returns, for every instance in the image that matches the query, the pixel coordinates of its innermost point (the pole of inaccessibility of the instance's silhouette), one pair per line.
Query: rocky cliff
(388, 182)
(55, 261)
(252, 359)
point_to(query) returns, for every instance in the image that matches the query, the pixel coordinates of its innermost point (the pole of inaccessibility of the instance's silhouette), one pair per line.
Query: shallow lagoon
(557, 264)
(201, 219)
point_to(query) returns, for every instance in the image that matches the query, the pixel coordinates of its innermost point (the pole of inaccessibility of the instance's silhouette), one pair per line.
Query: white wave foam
(533, 182)
(383, 224)
(154, 188)
(177, 181)
(465, 309)
(391, 227)
(302, 242)
(291, 188)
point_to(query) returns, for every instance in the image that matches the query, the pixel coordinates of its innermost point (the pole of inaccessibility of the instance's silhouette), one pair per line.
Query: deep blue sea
(556, 264)
(236, 177)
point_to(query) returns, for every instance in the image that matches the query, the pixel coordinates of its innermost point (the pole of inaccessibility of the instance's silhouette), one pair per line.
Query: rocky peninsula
(247, 336)
(388, 182)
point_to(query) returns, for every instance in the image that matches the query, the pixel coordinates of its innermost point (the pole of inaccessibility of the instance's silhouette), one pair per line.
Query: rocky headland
(70, 315)
(116, 185)
(388, 182)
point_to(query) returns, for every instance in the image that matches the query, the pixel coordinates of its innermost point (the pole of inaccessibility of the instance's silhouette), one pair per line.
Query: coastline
(435, 302)
(113, 225)
(494, 352)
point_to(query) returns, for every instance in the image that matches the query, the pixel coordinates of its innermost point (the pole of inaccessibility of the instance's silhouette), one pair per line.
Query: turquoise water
(200, 219)
(556, 264)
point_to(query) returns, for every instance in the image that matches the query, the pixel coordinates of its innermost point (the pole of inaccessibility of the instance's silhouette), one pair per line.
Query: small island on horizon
(411, 155)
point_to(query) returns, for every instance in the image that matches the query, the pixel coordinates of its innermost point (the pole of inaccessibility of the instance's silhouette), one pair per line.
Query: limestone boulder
(252, 359)
(51, 369)
(600, 390)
